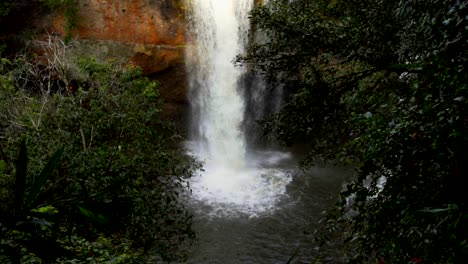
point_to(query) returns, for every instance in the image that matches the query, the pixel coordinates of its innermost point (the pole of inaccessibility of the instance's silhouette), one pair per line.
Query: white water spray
(220, 30)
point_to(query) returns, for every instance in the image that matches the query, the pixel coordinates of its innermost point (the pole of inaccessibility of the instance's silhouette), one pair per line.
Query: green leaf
(43, 176)
(92, 217)
(46, 210)
(87, 213)
(20, 183)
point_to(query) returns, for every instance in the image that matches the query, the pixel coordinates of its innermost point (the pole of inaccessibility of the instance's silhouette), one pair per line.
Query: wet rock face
(132, 21)
(154, 30)
(146, 33)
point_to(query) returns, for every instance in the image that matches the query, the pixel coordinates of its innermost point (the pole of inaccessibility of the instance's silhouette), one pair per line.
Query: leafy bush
(381, 85)
(118, 178)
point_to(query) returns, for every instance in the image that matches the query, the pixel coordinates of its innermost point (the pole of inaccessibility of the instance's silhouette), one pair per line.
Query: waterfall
(219, 30)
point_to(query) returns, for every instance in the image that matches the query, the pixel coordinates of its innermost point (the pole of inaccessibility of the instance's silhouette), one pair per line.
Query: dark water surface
(224, 236)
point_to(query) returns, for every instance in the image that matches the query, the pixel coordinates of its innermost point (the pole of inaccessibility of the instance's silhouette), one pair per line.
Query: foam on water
(252, 189)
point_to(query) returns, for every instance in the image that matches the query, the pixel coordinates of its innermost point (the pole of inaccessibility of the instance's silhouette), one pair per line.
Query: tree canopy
(380, 85)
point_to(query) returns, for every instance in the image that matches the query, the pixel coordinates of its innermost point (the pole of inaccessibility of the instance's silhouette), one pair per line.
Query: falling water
(232, 176)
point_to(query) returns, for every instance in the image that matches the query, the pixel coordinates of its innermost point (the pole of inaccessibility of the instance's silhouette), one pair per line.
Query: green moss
(70, 11)
(181, 6)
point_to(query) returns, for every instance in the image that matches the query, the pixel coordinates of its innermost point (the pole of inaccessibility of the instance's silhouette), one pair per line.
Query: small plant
(30, 227)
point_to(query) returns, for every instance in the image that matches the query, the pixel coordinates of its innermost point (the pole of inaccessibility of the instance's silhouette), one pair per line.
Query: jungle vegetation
(89, 172)
(86, 165)
(381, 86)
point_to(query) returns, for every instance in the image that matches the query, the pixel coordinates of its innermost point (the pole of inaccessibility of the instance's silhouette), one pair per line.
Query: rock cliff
(146, 33)
(152, 30)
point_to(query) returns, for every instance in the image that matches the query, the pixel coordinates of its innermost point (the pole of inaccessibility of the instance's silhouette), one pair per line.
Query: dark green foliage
(41, 179)
(29, 228)
(5, 7)
(381, 85)
(118, 182)
(20, 182)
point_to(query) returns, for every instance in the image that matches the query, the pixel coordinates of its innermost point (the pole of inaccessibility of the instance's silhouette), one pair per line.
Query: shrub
(118, 178)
